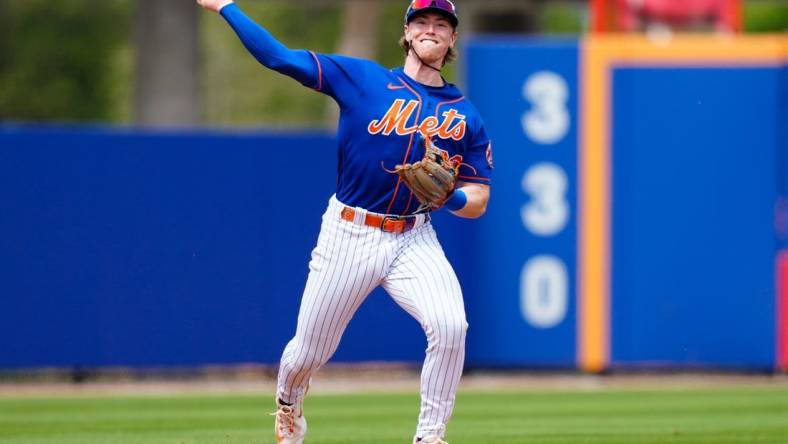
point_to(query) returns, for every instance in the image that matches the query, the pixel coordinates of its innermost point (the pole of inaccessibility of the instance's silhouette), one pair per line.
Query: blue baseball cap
(445, 7)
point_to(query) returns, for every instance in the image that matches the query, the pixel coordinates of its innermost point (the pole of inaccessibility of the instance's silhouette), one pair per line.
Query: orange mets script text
(398, 115)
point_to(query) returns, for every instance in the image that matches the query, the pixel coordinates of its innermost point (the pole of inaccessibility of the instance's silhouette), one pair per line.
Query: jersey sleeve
(478, 162)
(344, 78)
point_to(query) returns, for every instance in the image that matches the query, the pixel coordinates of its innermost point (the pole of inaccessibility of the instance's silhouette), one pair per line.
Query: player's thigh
(423, 282)
(347, 264)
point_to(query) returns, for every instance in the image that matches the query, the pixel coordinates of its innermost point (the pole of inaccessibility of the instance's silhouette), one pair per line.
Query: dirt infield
(365, 378)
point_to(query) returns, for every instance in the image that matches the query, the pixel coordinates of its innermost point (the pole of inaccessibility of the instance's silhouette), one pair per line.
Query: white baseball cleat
(429, 440)
(290, 424)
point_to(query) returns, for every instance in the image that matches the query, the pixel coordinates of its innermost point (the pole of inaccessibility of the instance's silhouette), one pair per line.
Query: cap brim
(440, 11)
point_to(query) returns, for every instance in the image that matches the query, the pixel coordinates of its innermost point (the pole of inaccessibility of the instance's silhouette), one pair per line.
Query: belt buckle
(388, 217)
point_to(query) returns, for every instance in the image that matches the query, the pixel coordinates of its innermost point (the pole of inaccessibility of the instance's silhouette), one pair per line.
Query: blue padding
(695, 161)
(141, 249)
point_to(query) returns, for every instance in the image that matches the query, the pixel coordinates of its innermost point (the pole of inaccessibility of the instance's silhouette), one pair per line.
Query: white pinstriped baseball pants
(349, 261)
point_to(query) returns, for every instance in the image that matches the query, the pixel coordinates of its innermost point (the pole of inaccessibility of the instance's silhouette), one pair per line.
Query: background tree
(167, 86)
(56, 58)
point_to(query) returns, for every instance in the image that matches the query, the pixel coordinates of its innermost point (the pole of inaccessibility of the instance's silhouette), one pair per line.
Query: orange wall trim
(599, 53)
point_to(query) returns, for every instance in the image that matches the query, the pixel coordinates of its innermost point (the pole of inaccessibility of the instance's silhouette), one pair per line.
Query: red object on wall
(782, 310)
(632, 15)
(603, 16)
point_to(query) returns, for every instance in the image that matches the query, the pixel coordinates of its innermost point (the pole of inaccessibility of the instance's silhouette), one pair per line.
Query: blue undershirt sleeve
(299, 64)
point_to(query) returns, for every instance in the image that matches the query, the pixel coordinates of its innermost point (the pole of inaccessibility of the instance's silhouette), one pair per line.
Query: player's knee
(307, 355)
(301, 362)
(449, 333)
(304, 364)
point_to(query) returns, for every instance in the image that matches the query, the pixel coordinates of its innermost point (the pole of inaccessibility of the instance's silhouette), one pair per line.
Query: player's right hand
(214, 5)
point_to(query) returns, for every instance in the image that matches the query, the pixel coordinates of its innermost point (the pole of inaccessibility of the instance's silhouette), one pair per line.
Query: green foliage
(56, 58)
(766, 16)
(72, 60)
(389, 53)
(560, 18)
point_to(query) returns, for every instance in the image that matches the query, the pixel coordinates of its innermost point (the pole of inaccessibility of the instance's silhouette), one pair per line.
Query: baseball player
(409, 143)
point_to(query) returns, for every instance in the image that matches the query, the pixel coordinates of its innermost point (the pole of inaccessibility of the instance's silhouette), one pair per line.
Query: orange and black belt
(387, 223)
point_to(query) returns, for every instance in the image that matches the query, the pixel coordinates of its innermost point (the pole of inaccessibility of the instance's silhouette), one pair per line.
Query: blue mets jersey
(382, 111)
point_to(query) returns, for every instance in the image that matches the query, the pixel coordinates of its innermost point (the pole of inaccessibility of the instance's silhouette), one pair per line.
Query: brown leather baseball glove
(431, 179)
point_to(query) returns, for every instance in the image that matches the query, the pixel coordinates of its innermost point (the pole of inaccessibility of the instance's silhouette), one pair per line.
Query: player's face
(431, 35)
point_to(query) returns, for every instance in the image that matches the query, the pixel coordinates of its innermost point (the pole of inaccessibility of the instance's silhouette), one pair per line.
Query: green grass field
(701, 416)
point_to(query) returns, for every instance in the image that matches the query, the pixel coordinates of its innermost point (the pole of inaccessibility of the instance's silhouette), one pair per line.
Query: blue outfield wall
(695, 168)
(147, 249)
